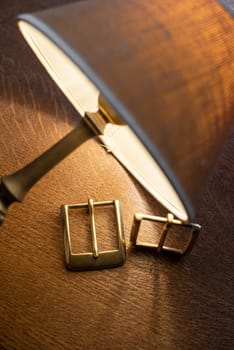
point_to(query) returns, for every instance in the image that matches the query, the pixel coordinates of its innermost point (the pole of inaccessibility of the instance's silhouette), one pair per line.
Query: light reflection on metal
(168, 221)
(95, 259)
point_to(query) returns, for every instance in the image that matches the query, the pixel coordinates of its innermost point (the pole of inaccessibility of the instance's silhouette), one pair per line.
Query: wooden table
(151, 302)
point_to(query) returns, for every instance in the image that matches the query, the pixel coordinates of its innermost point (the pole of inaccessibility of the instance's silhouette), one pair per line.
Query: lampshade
(161, 88)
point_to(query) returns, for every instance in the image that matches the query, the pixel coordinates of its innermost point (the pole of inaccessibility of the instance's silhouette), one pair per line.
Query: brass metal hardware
(95, 259)
(169, 221)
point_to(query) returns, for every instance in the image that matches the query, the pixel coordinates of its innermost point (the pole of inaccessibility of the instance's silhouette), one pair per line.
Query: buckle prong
(168, 221)
(93, 228)
(95, 259)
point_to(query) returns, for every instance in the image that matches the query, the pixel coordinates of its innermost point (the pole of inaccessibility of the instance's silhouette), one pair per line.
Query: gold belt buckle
(169, 221)
(95, 259)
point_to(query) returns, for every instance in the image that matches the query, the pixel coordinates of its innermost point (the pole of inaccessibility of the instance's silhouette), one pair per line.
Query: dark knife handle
(14, 187)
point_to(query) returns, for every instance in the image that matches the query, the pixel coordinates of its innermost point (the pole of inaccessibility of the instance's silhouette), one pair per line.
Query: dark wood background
(149, 303)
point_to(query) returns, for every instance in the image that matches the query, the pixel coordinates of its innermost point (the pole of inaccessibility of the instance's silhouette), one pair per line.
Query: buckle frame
(96, 259)
(169, 221)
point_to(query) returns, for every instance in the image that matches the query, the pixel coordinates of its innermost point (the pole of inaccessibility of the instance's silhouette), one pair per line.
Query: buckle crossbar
(169, 221)
(95, 259)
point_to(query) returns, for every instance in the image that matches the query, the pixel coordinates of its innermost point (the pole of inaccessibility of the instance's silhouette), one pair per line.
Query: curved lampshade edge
(115, 103)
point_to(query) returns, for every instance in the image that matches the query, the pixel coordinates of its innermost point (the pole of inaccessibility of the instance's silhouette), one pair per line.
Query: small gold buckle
(95, 259)
(169, 221)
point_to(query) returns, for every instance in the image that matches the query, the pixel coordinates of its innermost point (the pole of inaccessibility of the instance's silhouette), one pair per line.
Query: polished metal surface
(169, 222)
(95, 259)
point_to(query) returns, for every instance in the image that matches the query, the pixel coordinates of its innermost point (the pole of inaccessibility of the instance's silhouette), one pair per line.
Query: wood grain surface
(149, 303)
